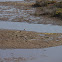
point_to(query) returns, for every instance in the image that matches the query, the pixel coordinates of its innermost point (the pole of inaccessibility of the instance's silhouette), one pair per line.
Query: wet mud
(24, 12)
(28, 39)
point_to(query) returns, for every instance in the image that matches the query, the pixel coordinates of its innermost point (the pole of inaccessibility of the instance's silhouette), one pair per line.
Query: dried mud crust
(28, 39)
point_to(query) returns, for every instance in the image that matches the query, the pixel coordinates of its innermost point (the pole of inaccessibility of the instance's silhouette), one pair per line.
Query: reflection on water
(53, 54)
(31, 27)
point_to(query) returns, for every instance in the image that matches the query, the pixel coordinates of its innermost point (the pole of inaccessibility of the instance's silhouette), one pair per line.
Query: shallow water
(31, 27)
(53, 54)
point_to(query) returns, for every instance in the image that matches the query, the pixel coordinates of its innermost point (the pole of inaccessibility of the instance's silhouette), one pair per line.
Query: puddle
(53, 54)
(42, 34)
(31, 27)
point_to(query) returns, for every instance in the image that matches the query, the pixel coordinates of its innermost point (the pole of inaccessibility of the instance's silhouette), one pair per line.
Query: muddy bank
(24, 12)
(50, 8)
(26, 39)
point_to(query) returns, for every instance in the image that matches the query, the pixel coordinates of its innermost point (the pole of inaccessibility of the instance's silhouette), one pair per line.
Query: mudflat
(28, 39)
(24, 12)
